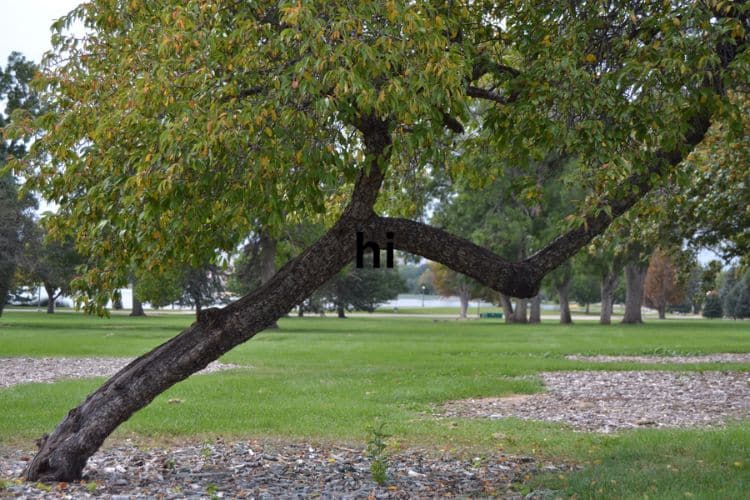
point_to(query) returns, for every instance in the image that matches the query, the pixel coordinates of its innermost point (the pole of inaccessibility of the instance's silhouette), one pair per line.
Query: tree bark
(662, 311)
(50, 299)
(464, 298)
(563, 296)
(608, 285)
(535, 315)
(507, 308)
(635, 275)
(137, 308)
(267, 258)
(3, 298)
(63, 454)
(341, 312)
(301, 310)
(519, 315)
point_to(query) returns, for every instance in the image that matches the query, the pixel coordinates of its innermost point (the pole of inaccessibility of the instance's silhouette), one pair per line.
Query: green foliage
(376, 453)
(159, 289)
(585, 287)
(735, 294)
(362, 289)
(16, 220)
(208, 120)
(52, 262)
(712, 306)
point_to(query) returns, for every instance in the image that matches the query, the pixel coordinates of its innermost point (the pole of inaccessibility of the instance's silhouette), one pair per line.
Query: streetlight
(423, 290)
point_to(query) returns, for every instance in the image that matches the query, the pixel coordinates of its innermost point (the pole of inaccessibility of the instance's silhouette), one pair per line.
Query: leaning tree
(175, 126)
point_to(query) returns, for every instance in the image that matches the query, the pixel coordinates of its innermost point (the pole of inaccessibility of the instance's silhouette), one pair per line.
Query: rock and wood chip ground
(268, 471)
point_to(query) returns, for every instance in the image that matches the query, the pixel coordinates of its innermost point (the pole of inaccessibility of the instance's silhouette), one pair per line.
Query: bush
(712, 306)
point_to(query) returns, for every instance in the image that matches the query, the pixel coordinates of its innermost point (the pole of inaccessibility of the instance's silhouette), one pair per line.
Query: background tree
(662, 286)
(202, 286)
(735, 293)
(449, 283)
(159, 289)
(712, 306)
(52, 262)
(585, 286)
(235, 113)
(362, 289)
(16, 219)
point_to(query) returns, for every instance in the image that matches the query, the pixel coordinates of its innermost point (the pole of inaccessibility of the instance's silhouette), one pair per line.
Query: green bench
(491, 315)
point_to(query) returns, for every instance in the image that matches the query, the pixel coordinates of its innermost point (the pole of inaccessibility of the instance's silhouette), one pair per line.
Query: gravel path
(258, 470)
(608, 401)
(15, 371)
(728, 357)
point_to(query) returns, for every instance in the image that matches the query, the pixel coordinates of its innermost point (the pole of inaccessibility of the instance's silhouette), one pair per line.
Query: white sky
(25, 26)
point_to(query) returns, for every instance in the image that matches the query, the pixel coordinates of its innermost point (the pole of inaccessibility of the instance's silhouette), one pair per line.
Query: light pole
(423, 290)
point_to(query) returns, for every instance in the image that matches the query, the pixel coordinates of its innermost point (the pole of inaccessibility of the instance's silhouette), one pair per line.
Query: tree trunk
(519, 315)
(507, 308)
(198, 306)
(300, 310)
(341, 312)
(7, 271)
(3, 298)
(50, 299)
(137, 308)
(562, 293)
(662, 311)
(635, 275)
(267, 258)
(608, 285)
(464, 298)
(535, 315)
(587, 307)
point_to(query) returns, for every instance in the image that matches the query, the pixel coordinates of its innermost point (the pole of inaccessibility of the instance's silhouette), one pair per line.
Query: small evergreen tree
(712, 306)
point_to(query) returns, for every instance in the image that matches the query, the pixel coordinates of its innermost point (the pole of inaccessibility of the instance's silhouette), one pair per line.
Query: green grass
(330, 379)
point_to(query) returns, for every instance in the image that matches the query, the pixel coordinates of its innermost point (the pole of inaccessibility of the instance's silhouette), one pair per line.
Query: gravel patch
(708, 358)
(262, 470)
(607, 401)
(14, 371)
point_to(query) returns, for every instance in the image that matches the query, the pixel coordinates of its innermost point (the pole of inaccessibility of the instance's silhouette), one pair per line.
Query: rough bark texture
(563, 292)
(51, 298)
(519, 314)
(507, 308)
(63, 454)
(635, 275)
(137, 308)
(268, 262)
(535, 314)
(464, 298)
(608, 285)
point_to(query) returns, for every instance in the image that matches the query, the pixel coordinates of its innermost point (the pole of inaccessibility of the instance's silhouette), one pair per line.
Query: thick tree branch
(459, 254)
(635, 187)
(489, 95)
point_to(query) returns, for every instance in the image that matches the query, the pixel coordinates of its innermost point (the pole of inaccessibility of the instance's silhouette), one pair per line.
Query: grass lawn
(325, 379)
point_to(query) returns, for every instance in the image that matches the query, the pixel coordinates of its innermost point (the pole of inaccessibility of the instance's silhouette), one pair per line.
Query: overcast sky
(25, 26)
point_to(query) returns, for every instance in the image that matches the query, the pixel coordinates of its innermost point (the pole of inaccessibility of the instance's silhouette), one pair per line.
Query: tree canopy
(206, 117)
(210, 119)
